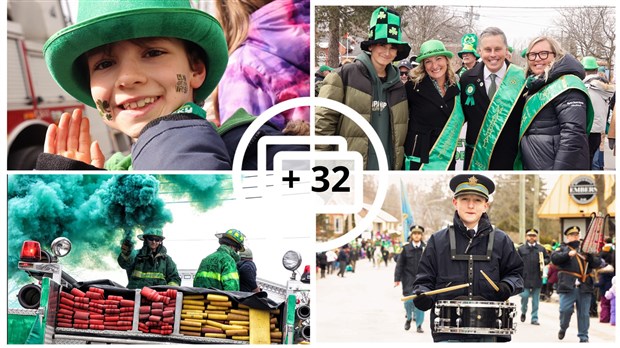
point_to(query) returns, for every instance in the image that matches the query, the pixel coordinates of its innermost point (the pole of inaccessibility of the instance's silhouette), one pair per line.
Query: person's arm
(72, 139)
(398, 271)
(172, 274)
(426, 279)
(230, 276)
(252, 279)
(127, 256)
(560, 256)
(326, 120)
(511, 266)
(571, 113)
(546, 256)
(243, 87)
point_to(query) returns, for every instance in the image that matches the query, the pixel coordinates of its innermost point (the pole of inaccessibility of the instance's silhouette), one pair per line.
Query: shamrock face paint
(104, 109)
(181, 83)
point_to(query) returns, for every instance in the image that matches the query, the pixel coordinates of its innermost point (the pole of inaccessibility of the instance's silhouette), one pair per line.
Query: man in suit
(491, 99)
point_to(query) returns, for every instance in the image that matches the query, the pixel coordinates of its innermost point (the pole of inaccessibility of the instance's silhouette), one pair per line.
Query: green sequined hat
(432, 48)
(470, 44)
(385, 29)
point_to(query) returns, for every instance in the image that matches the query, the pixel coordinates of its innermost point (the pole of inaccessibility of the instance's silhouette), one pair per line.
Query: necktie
(492, 87)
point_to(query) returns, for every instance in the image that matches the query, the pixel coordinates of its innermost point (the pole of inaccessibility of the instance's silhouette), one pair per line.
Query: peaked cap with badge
(476, 184)
(385, 29)
(531, 232)
(572, 230)
(416, 228)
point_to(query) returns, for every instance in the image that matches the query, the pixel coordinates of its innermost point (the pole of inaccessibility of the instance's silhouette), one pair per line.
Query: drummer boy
(470, 251)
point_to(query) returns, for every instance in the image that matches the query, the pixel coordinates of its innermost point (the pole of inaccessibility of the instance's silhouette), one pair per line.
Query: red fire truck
(34, 100)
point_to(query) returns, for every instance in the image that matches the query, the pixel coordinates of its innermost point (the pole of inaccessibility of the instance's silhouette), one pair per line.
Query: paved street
(366, 307)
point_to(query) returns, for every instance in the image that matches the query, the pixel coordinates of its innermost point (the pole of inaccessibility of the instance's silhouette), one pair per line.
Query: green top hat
(157, 232)
(470, 44)
(472, 184)
(104, 22)
(589, 63)
(385, 29)
(572, 230)
(432, 48)
(234, 235)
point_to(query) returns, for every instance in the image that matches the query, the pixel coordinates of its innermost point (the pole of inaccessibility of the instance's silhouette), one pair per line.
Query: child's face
(135, 83)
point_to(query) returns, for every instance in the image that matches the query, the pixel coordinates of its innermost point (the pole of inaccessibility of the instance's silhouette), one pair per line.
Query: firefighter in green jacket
(219, 270)
(149, 265)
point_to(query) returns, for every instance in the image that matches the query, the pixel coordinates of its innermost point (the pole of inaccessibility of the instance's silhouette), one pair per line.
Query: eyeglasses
(153, 239)
(542, 54)
(404, 73)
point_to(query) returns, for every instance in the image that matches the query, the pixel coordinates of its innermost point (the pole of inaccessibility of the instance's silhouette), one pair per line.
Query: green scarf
(496, 117)
(443, 150)
(541, 98)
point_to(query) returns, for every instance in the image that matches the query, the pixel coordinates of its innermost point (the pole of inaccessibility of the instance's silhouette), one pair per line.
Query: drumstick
(438, 291)
(489, 280)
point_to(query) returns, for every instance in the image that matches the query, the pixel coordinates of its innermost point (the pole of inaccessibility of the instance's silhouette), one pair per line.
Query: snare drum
(475, 317)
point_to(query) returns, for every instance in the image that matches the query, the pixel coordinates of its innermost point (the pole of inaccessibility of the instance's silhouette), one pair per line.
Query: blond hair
(556, 48)
(418, 73)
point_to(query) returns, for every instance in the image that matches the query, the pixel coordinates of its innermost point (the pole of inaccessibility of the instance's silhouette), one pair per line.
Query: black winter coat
(247, 275)
(407, 266)
(557, 139)
(569, 269)
(532, 275)
(428, 114)
(505, 151)
(438, 269)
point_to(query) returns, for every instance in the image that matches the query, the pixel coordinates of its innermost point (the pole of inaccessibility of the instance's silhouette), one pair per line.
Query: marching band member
(460, 253)
(575, 284)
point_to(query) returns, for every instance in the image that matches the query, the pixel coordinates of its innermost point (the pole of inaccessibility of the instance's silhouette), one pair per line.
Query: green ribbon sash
(543, 97)
(444, 148)
(497, 114)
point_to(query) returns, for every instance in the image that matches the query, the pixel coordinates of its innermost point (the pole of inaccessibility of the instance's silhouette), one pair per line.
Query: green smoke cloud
(93, 211)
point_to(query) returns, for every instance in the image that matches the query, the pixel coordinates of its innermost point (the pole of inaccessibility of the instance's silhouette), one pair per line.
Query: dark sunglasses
(404, 73)
(153, 239)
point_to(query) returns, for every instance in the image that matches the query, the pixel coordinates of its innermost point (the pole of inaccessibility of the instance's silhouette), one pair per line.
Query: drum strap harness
(583, 268)
(470, 258)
